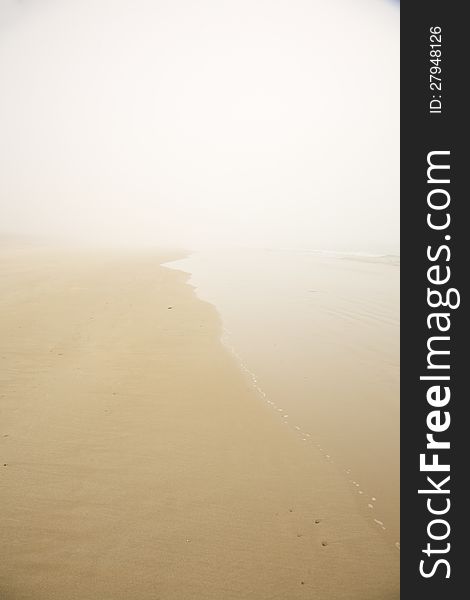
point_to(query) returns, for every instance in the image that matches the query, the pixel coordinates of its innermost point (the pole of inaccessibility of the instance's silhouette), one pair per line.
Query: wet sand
(320, 334)
(139, 462)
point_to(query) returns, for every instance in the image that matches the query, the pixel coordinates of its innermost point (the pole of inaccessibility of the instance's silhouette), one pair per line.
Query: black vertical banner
(434, 268)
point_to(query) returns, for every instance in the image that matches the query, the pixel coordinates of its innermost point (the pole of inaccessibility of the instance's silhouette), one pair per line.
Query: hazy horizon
(267, 124)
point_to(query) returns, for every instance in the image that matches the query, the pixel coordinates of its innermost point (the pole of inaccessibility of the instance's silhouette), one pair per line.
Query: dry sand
(138, 463)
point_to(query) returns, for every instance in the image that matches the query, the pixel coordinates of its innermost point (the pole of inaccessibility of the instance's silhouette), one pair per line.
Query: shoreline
(139, 460)
(318, 337)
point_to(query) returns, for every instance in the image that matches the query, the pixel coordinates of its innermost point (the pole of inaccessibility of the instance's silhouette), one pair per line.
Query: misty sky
(201, 122)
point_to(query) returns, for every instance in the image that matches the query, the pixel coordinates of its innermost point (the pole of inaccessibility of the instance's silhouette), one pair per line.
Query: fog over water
(201, 124)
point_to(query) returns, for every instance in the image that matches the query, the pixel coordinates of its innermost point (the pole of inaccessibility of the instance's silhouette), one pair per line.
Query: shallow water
(318, 335)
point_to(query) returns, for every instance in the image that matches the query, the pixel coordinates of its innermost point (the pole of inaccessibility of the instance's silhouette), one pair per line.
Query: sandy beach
(137, 461)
